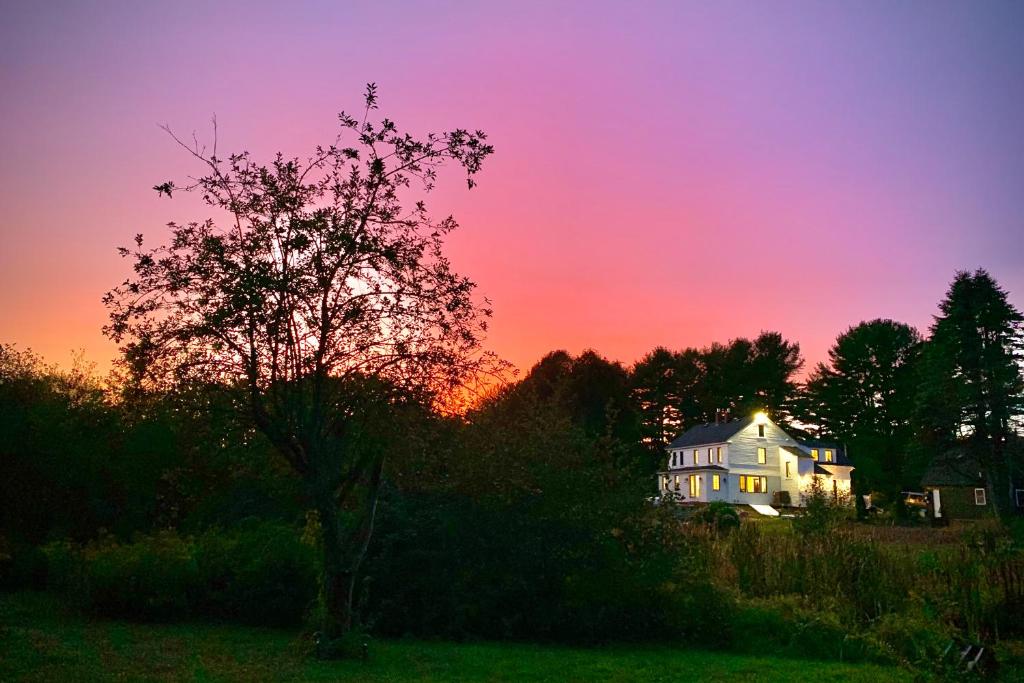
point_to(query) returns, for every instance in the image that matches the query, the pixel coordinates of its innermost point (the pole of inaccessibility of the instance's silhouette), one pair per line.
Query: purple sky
(666, 173)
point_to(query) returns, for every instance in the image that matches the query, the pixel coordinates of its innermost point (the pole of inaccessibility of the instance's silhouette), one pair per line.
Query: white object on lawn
(766, 510)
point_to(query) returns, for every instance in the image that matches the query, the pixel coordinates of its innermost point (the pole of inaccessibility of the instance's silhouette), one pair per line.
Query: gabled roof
(837, 450)
(797, 451)
(701, 435)
(955, 467)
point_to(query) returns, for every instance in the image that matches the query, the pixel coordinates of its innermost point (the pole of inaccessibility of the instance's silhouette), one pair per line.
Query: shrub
(823, 511)
(21, 566)
(260, 574)
(912, 637)
(794, 626)
(154, 577)
(719, 516)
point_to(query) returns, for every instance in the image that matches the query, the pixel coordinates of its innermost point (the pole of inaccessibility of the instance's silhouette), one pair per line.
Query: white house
(751, 462)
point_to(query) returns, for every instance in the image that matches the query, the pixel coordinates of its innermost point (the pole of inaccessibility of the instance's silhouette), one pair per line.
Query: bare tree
(316, 291)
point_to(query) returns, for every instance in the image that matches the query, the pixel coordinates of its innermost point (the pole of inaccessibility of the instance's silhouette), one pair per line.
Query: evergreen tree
(864, 397)
(972, 388)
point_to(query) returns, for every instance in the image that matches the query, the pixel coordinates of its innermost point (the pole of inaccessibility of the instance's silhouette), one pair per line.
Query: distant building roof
(700, 435)
(955, 467)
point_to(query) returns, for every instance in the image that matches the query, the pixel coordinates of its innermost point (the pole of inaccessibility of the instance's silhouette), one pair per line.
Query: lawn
(40, 641)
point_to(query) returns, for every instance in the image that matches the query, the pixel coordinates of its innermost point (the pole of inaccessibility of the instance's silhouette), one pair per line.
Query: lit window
(694, 488)
(709, 456)
(814, 454)
(664, 482)
(716, 482)
(760, 431)
(718, 455)
(695, 456)
(979, 496)
(789, 474)
(762, 455)
(828, 456)
(677, 482)
(753, 484)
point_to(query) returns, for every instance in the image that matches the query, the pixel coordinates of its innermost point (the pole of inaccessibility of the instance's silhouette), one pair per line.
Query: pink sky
(665, 174)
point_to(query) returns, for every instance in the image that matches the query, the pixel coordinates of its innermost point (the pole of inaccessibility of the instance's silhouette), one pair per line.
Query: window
(694, 486)
(814, 454)
(753, 484)
(716, 482)
(664, 482)
(709, 456)
(979, 496)
(762, 455)
(828, 456)
(789, 474)
(718, 455)
(695, 456)
(677, 482)
(760, 431)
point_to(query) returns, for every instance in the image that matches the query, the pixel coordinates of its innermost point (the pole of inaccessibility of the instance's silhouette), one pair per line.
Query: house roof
(953, 468)
(797, 451)
(694, 468)
(837, 450)
(701, 435)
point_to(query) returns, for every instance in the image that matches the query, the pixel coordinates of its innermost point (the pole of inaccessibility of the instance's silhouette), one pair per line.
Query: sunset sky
(665, 173)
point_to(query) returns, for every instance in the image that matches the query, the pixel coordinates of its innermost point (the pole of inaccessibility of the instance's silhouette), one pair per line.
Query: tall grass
(975, 587)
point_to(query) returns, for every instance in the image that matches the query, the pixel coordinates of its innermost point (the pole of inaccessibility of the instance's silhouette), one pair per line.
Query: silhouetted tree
(663, 386)
(864, 397)
(971, 383)
(744, 376)
(324, 298)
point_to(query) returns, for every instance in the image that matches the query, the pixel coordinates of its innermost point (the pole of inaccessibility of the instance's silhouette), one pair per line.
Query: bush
(719, 516)
(154, 577)
(22, 566)
(912, 637)
(260, 574)
(453, 568)
(793, 626)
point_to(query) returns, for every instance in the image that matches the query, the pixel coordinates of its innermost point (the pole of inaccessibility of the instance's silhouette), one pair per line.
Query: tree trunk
(337, 586)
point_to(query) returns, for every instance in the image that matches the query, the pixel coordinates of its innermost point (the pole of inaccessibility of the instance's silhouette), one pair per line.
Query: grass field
(39, 641)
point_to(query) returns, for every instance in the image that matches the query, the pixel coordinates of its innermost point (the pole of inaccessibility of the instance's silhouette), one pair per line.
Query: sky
(665, 173)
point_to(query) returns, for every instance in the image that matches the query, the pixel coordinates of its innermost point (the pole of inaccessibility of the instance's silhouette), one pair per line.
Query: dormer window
(695, 452)
(814, 454)
(710, 451)
(828, 456)
(718, 455)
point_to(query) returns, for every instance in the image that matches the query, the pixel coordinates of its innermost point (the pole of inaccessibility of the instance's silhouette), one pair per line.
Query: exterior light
(760, 417)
